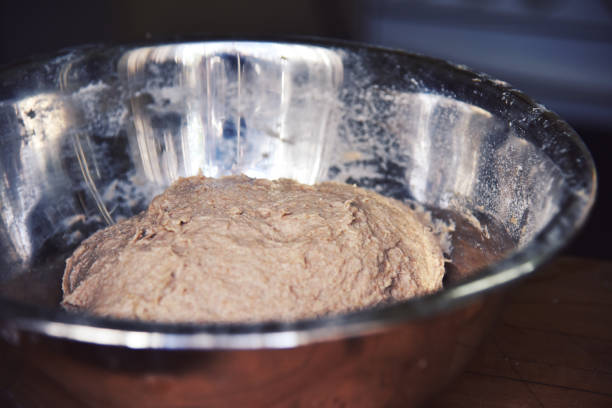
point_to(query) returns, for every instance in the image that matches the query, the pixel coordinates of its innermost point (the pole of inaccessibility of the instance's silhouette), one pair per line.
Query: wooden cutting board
(551, 348)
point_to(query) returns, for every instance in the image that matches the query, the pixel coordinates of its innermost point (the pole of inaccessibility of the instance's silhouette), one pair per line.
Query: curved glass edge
(15, 318)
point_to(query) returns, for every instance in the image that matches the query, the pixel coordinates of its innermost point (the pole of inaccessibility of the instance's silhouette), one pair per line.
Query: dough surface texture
(237, 249)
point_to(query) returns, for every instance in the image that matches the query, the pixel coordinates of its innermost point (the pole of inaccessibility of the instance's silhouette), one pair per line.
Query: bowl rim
(16, 317)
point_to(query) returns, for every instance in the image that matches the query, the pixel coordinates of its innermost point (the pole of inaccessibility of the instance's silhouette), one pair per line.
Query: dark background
(557, 51)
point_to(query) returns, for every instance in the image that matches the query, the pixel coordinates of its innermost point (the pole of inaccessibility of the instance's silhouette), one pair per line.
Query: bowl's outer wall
(398, 368)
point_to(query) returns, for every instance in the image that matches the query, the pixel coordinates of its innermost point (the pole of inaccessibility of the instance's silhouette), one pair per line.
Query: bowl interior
(88, 137)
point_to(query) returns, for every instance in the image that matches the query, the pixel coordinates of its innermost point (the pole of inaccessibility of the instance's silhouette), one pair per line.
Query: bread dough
(237, 249)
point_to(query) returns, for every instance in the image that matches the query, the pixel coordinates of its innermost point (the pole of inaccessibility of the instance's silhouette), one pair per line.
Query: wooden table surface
(552, 346)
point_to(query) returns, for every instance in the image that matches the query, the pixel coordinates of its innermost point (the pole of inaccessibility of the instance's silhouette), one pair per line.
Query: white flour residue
(98, 96)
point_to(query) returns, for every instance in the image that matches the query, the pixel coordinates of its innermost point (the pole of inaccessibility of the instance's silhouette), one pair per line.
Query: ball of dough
(237, 249)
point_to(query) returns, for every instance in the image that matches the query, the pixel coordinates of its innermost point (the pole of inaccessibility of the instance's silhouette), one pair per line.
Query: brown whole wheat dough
(237, 249)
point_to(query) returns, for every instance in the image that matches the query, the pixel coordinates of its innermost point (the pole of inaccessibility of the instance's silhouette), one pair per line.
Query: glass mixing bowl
(90, 135)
